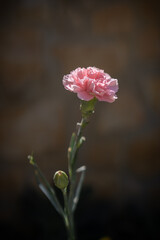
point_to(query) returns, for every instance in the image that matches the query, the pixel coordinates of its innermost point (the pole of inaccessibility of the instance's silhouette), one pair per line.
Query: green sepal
(87, 107)
(60, 179)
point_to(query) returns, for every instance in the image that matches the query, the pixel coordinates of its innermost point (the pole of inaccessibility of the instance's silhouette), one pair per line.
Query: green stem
(87, 108)
(72, 162)
(68, 217)
(68, 201)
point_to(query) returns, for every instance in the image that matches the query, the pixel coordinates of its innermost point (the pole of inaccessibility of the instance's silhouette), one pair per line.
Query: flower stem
(68, 217)
(72, 162)
(87, 108)
(68, 200)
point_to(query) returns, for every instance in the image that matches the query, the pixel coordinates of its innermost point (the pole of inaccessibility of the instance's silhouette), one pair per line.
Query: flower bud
(61, 180)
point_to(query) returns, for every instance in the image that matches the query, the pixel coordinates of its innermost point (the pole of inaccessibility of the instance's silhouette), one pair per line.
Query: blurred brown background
(40, 42)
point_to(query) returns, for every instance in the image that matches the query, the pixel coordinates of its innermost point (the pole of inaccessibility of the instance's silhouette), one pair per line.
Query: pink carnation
(91, 82)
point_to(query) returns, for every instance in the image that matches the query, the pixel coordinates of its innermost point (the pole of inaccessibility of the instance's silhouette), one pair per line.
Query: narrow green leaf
(73, 137)
(81, 140)
(71, 146)
(49, 196)
(81, 170)
(46, 187)
(31, 160)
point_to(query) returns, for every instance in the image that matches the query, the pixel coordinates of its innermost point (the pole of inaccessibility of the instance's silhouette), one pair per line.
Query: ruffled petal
(84, 96)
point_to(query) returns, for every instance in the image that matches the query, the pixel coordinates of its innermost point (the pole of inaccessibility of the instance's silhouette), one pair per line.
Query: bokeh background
(40, 41)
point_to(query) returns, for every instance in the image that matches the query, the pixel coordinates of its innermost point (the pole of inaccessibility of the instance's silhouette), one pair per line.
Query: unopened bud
(69, 149)
(61, 180)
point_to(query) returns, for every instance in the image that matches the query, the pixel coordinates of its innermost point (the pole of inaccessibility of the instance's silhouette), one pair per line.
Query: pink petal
(113, 85)
(84, 96)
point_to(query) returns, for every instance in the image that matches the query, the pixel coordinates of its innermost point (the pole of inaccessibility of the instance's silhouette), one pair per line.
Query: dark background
(40, 41)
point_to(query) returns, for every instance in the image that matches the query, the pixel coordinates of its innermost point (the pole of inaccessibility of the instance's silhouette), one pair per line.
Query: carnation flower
(91, 82)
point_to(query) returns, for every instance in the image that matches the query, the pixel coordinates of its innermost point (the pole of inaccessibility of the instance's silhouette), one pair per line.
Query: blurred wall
(43, 40)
